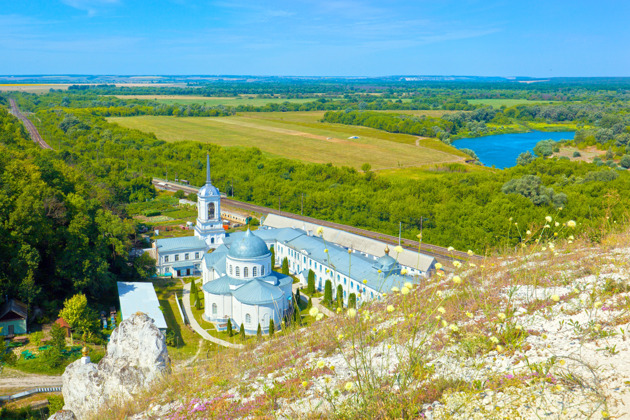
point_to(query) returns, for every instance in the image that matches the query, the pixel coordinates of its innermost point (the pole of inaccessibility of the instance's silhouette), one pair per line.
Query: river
(501, 150)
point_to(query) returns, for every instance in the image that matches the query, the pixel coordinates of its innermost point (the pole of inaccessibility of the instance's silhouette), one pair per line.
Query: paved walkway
(195, 325)
(316, 302)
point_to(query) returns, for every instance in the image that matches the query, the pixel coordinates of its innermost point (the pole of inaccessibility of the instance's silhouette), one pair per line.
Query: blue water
(501, 150)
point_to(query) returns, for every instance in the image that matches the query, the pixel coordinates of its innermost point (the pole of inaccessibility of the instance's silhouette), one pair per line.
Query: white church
(238, 281)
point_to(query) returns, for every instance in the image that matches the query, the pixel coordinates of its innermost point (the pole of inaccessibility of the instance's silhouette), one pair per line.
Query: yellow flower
(571, 223)
(398, 249)
(320, 364)
(557, 224)
(519, 327)
(379, 271)
(325, 249)
(395, 289)
(457, 264)
(529, 232)
(439, 293)
(403, 271)
(441, 310)
(548, 219)
(338, 310)
(340, 337)
(313, 312)
(501, 316)
(404, 291)
(453, 327)
(389, 346)
(494, 339)
(469, 315)
(457, 279)
(364, 281)
(319, 317)
(352, 313)
(555, 298)
(408, 285)
(473, 265)
(349, 386)
(390, 308)
(470, 252)
(500, 348)
(438, 266)
(320, 230)
(450, 249)
(304, 384)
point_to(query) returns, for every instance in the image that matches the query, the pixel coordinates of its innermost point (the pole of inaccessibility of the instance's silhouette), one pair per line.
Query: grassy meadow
(300, 135)
(215, 100)
(498, 103)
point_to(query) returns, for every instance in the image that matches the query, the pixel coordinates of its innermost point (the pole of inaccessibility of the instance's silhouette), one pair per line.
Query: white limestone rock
(136, 356)
(63, 415)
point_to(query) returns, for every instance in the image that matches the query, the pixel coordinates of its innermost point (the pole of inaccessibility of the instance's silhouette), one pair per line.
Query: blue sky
(316, 37)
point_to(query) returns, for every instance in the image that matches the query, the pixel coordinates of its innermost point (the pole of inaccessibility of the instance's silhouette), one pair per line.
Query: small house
(13, 318)
(64, 325)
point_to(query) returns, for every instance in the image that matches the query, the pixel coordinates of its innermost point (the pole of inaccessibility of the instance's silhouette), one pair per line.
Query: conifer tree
(229, 327)
(285, 266)
(193, 292)
(259, 332)
(340, 296)
(328, 293)
(242, 331)
(309, 305)
(310, 285)
(352, 301)
(271, 327)
(197, 301)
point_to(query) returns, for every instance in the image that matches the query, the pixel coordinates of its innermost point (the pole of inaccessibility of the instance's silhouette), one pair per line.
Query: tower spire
(208, 182)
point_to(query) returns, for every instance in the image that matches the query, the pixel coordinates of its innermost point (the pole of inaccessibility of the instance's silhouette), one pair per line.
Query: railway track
(32, 131)
(441, 253)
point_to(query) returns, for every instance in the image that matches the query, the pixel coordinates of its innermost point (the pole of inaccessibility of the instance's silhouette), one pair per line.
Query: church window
(211, 211)
(230, 268)
(254, 272)
(245, 272)
(186, 256)
(237, 272)
(248, 319)
(344, 280)
(262, 270)
(212, 240)
(214, 309)
(166, 258)
(176, 257)
(196, 255)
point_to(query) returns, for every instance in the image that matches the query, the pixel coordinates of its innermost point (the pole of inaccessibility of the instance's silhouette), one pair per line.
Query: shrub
(36, 338)
(352, 301)
(625, 161)
(577, 154)
(179, 194)
(171, 338)
(259, 331)
(58, 336)
(271, 327)
(525, 158)
(544, 148)
(328, 293)
(340, 296)
(242, 331)
(229, 327)
(55, 403)
(309, 305)
(310, 285)
(285, 266)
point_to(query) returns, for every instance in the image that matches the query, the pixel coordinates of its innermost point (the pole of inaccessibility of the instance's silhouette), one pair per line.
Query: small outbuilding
(64, 325)
(140, 297)
(13, 318)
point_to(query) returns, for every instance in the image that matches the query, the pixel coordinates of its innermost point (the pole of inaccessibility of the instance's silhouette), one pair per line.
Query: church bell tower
(209, 225)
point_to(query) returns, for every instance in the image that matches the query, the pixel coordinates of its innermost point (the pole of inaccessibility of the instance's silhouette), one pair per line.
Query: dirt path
(13, 379)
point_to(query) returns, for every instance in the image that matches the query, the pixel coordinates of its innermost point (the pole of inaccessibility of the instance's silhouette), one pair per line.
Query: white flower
(398, 249)
(319, 316)
(321, 364)
(571, 223)
(404, 291)
(395, 289)
(548, 219)
(441, 309)
(313, 312)
(470, 252)
(457, 279)
(557, 224)
(457, 264)
(529, 232)
(501, 316)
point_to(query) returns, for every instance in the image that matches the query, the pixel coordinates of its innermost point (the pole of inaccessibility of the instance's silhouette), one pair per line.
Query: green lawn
(300, 136)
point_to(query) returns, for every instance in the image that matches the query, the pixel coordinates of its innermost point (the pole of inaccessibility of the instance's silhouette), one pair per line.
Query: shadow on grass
(171, 321)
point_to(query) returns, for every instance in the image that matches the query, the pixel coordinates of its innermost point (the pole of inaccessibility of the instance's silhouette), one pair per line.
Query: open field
(215, 100)
(497, 103)
(300, 136)
(31, 87)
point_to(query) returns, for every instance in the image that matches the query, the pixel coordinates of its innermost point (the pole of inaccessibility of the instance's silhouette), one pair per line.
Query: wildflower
(389, 346)
(571, 223)
(379, 271)
(571, 237)
(598, 327)
(598, 304)
(457, 279)
(519, 327)
(408, 285)
(555, 298)
(439, 293)
(395, 289)
(500, 348)
(529, 232)
(349, 386)
(340, 337)
(304, 384)
(453, 327)
(501, 316)
(351, 313)
(557, 224)
(419, 236)
(404, 291)
(548, 219)
(313, 312)
(469, 315)
(552, 245)
(515, 224)
(319, 317)
(398, 249)
(438, 266)
(510, 219)
(327, 379)
(438, 317)
(605, 415)
(390, 308)
(546, 226)
(364, 281)
(457, 264)
(473, 265)
(444, 323)
(320, 230)
(441, 310)
(470, 252)
(450, 249)
(338, 310)
(403, 271)
(326, 250)
(494, 340)
(562, 362)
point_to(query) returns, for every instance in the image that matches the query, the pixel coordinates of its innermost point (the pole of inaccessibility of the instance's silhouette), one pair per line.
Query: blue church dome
(248, 246)
(386, 263)
(208, 190)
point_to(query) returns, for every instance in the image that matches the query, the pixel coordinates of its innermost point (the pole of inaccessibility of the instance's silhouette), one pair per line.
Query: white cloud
(90, 6)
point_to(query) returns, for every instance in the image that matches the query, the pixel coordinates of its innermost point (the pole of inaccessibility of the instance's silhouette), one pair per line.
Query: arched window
(212, 240)
(237, 272)
(245, 272)
(254, 272)
(262, 270)
(214, 309)
(211, 210)
(248, 319)
(230, 268)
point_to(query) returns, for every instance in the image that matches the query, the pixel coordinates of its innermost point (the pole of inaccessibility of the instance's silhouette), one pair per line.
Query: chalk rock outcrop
(63, 415)
(136, 356)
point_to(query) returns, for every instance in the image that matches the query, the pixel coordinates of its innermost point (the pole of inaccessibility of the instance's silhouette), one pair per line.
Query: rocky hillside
(541, 333)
